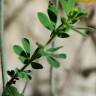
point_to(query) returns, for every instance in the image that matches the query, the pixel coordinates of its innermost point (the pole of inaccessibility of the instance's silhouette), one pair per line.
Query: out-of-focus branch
(74, 67)
(3, 55)
(92, 34)
(16, 14)
(52, 77)
(25, 86)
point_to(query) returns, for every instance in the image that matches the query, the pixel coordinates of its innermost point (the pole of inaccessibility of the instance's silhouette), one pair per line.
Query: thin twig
(33, 57)
(75, 30)
(74, 67)
(3, 59)
(52, 82)
(89, 28)
(52, 78)
(25, 86)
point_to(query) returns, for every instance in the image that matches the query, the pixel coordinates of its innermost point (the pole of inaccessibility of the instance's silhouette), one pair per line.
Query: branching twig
(33, 56)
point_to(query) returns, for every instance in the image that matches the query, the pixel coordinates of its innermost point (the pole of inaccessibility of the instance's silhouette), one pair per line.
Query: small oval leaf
(45, 21)
(64, 6)
(24, 60)
(25, 75)
(53, 62)
(54, 49)
(60, 55)
(52, 13)
(36, 65)
(70, 4)
(26, 45)
(62, 35)
(19, 51)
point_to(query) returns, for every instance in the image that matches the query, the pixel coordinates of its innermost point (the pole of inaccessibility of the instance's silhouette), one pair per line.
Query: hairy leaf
(82, 14)
(19, 51)
(63, 20)
(25, 75)
(54, 49)
(64, 6)
(26, 45)
(24, 60)
(70, 4)
(38, 55)
(62, 55)
(53, 62)
(67, 5)
(52, 13)
(45, 21)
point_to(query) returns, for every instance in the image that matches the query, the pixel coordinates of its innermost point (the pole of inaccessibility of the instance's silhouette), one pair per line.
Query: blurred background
(77, 74)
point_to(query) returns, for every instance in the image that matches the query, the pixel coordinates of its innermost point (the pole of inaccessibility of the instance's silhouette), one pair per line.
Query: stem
(52, 83)
(49, 41)
(25, 86)
(89, 28)
(32, 58)
(74, 29)
(3, 59)
(52, 79)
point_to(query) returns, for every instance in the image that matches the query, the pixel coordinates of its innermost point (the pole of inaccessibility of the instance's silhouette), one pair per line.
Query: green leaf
(54, 49)
(19, 51)
(76, 13)
(64, 6)
(64, 28)
(24, 60)
(37, 53)
(53, 62)
(73, 14)
(52, 13)
(82, 14)
(67, 5)
(45, 21)
(44, 53)
(25, 75)
(63, 20)
(26, 45)
(36, 65)
(11, 91)
(70, 4)
(62, 35)
(60, 56)
(74, 20)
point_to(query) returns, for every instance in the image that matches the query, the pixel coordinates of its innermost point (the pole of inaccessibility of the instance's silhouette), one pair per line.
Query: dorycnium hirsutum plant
(73, 14)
